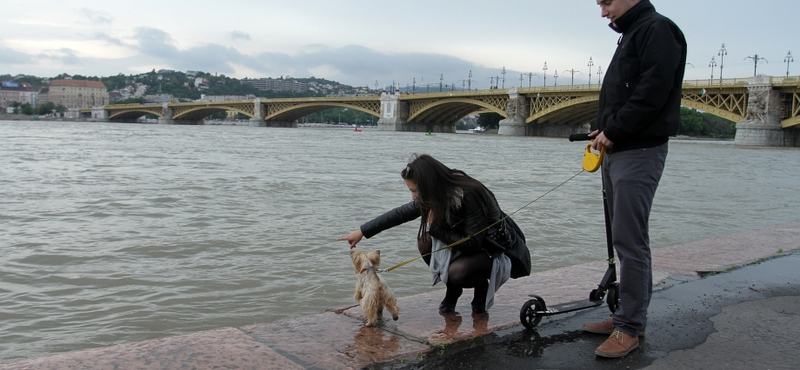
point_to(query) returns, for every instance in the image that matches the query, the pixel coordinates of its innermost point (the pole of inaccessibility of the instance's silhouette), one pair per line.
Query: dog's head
(363, 260)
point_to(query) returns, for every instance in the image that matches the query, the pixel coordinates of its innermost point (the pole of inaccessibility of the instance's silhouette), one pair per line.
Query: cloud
(64, 56)
(355, 65)
(155, 42)
(11, 56)
(239, 35)
(96, 17)
(107, 38)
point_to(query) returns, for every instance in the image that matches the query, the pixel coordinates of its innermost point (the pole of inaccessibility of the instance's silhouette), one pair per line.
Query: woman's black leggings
(464, 272)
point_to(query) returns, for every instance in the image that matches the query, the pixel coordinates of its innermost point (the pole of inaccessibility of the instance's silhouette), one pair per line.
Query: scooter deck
(572, 306)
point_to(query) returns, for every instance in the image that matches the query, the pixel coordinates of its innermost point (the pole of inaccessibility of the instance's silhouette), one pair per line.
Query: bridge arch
(134, 114)
(567, 110)
(292, 112)
(199, 113)
(451, 110)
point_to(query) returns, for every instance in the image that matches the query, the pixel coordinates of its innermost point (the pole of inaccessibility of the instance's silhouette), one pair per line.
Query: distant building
(75, 93)
(22, 93)
(272, 84)
(201, 83)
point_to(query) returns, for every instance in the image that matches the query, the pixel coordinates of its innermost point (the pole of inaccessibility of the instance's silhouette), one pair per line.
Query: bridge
(766, 109)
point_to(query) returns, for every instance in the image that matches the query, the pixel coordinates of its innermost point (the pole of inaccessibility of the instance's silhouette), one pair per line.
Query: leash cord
(457, 242)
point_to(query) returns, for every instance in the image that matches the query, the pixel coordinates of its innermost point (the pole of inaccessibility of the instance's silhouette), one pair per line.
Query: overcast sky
(359, 42)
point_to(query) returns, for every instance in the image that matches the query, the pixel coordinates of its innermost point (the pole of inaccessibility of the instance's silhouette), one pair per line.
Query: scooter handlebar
(579, 137)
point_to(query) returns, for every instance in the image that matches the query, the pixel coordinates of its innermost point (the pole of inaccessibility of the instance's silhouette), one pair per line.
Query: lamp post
(712, 64)
(544, 79)
(755, 59)
(414, 85)
(590, 70)
(572, 72)
(722, 53)
(469, 81)
(491, 82)
(504, 77)
(521, 75)
(441, 78)
(530, 77)
(555, 77)
(788, 60)
(599, 75)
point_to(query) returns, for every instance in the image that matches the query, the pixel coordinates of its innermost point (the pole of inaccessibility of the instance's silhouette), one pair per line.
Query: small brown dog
(372, 293)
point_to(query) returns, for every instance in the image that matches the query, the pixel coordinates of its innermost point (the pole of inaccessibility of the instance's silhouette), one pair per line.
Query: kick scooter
(534, 309)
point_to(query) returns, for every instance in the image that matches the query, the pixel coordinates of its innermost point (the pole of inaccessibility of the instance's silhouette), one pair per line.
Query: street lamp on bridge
(788, 60)
(599, 75)
(530, 77)
(755, 59)
(722, 53)
(504, 77)
(712, 64)
(544, 79)
(572, 72)
(555, 77)
(590, 70)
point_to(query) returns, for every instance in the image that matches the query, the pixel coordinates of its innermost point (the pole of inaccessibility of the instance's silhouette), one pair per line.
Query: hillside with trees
(181, 86)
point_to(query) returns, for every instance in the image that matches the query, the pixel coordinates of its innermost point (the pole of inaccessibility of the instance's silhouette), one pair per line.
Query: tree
(27, 109)
(489, 120)
(47, 108)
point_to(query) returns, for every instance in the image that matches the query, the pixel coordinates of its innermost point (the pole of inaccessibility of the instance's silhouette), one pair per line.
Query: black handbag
(508, 237)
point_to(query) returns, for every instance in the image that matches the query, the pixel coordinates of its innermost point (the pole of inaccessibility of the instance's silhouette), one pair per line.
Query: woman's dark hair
(437, 183)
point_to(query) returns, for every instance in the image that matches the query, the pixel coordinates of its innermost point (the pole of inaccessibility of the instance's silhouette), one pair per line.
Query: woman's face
(412, 187)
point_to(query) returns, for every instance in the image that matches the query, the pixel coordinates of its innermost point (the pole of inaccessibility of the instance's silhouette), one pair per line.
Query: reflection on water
(116, 233)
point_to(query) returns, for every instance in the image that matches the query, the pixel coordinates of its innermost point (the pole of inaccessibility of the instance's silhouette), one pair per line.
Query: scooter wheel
(612, 298)
(531, 313)
(596, 295)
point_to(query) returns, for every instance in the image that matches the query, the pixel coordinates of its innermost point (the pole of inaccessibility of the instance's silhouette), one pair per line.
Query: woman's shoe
(476, 308)
(445, 308)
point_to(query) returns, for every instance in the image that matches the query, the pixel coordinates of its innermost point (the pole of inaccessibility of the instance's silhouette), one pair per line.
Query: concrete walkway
(337, 339)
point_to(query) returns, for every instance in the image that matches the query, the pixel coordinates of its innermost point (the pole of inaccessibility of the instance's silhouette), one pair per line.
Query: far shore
(19, 117)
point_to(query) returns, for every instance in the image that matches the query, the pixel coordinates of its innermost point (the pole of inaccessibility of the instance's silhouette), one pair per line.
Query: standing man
(639, 110)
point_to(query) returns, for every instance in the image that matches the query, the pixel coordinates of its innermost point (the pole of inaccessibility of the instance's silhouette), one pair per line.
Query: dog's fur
(372, 293)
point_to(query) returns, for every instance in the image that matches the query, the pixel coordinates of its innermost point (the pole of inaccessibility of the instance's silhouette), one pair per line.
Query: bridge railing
(717, 82)
(740, 81)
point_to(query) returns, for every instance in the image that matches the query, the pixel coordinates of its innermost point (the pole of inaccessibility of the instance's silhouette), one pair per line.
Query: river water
(113, 233)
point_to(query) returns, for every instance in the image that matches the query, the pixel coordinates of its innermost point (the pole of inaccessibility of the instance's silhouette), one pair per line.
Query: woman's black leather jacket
(469, 220)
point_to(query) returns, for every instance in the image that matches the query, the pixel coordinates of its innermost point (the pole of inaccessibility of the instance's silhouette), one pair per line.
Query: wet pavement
(748, 318)
(744, 317)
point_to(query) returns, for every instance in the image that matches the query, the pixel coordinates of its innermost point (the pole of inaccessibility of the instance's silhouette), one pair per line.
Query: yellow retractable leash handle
(592, 160)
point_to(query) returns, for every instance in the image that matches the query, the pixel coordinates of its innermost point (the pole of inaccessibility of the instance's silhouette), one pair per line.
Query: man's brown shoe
(617, 345)
(605, 327)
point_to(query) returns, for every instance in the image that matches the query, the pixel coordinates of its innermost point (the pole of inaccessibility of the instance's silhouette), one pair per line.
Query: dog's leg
(391, 304)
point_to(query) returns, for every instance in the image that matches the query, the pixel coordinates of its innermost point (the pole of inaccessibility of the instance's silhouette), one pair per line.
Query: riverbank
(337, 339)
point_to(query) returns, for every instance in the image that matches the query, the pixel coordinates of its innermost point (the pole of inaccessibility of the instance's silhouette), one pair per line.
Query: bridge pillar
(517, 111)
(99, 114)
(258, 114)
(394, 114)
(166, 117)
(762, 122)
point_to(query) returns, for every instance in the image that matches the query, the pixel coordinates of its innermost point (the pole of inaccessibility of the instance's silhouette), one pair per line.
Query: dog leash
(451, 245)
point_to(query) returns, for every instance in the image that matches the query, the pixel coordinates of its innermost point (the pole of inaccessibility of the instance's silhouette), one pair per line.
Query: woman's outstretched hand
(353, 238)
